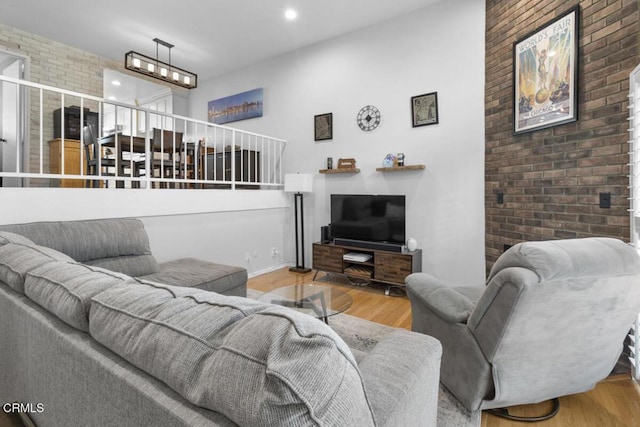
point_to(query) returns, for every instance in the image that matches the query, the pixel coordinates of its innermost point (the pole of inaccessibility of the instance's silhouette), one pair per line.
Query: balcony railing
(60, 138)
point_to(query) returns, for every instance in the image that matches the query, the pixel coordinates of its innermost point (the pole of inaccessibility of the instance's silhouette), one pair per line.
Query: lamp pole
(299, 268)
(298, 184)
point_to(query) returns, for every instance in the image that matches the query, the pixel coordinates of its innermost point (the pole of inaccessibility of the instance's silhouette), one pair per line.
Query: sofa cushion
(7, 237)
(131, 265)
(65, 289)
(256, 363)
(119, 244)
(17, 259)
(209, 276)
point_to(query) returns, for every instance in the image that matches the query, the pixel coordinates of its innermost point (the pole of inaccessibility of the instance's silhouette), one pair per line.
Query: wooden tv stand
(385, 267)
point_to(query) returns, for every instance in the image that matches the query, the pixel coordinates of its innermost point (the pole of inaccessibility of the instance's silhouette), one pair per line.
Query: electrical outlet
(274, 252)
(605, 200)
(247, 257)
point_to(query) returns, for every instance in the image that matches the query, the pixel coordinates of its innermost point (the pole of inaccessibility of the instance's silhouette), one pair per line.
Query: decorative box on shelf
(344, 166)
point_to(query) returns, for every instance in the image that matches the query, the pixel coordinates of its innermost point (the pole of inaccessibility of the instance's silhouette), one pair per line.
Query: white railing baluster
(131, 155)
(147, 150)
(41, 132)
(18, 132)
(62, 136)
(232, 159)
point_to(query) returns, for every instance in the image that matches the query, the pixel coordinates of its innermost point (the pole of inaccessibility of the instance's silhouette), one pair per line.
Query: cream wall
(440, 48)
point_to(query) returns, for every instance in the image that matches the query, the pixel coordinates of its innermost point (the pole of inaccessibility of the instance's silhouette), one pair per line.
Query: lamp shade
(298, 183)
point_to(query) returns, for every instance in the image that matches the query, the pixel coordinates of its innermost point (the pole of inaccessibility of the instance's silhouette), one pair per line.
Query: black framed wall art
(424, 109)
(545, 73)
(323, 126)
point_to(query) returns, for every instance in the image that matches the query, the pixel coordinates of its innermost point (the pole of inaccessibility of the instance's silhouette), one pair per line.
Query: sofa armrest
(453, 304)
(401, 377)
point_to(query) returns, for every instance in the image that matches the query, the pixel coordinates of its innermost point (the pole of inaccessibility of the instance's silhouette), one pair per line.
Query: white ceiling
(211, 37)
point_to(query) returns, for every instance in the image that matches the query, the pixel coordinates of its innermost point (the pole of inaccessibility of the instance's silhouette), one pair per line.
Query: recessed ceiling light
(116, 83)
(290, 14)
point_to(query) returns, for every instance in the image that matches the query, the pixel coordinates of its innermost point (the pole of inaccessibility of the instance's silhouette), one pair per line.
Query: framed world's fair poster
(545, 72)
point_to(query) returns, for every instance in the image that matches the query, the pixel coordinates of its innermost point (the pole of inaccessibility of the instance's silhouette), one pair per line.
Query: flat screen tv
(366, 217)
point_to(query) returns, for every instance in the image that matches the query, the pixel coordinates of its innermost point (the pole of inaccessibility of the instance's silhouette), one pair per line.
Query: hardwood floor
(614, 402)
(10, 420)
(369, 302)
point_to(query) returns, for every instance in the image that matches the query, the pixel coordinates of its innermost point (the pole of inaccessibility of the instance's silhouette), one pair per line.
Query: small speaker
(325, 234)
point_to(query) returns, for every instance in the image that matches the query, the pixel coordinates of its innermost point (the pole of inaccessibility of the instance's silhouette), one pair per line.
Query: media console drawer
(392, 267)
(327, 258)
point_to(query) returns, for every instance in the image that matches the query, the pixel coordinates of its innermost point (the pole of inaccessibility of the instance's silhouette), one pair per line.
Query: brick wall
(55, 64)
(551, 179)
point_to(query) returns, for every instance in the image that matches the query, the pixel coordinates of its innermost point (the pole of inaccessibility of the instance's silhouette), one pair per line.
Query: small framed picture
(323, 126)
(424, 109)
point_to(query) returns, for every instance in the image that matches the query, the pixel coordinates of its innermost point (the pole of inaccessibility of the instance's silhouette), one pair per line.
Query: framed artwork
(424, 109)
(323, 126)
(241, 106)
(545, 74)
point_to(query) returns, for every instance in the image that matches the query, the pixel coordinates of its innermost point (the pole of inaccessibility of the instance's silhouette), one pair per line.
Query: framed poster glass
(545, 73)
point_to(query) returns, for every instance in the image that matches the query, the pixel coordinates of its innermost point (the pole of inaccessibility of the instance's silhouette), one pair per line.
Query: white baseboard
(268, 270)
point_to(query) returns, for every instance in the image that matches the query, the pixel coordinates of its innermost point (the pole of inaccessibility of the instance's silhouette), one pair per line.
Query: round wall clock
(368, 118)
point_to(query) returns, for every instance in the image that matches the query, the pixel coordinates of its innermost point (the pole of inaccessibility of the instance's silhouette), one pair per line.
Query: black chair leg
(504, 413)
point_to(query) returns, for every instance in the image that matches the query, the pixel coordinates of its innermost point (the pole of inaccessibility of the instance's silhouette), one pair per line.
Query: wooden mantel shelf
(343, 170)
(401, 168)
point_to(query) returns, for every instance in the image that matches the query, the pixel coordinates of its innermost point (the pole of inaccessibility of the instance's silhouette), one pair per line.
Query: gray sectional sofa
(122, 245)
(86, 343)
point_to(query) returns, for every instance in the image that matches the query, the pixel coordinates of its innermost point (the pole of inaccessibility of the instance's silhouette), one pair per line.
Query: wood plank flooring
(614, 402)
(9, 420)
(369, 302)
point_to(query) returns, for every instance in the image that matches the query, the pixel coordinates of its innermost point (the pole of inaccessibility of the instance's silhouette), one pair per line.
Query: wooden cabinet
(71, 162)
(70, 123)
(390, 268)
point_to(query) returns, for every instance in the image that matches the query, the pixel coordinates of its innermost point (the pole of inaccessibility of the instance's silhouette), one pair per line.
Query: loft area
(89, 142)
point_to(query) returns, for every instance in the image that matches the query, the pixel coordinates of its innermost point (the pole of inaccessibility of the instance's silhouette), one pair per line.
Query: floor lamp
(299, 183)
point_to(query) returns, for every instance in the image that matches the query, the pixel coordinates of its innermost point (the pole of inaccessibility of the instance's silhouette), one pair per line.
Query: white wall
(216, 225)
(439, 49)
(244, 237)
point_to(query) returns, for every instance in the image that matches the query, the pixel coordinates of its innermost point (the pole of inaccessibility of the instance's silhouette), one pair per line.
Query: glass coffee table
(320, 301)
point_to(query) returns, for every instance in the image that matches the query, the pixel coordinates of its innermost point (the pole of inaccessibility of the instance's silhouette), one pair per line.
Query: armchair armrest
(401, 378)
(453, 304)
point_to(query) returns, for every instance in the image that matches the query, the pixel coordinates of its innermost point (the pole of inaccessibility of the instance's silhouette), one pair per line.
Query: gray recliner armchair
(550, 321)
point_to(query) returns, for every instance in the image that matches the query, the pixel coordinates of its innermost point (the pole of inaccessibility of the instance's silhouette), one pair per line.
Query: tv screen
(373, 218)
